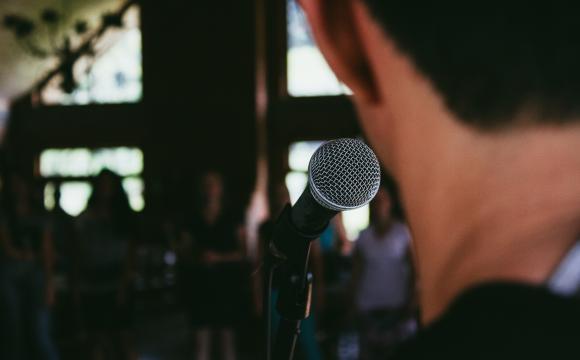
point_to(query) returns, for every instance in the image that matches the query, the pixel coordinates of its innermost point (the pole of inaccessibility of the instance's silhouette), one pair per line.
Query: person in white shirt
(382, 278)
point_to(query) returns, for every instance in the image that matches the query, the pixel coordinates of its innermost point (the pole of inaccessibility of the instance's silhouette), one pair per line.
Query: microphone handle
(308, 215)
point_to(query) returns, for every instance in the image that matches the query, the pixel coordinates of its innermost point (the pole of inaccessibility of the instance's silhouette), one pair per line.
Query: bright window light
(49, 198)
(82, 162)
(134, 188)
(75, 196)
(113, 76)
(308, 73)
(300, 154)
(355, 221)
(296, 183)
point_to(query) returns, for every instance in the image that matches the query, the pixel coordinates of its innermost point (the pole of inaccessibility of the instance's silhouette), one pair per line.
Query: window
(298, 158)
(114, 75)
(73, 168)
(308, 73)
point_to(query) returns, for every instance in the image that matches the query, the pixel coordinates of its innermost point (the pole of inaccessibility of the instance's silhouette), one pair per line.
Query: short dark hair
(492, 60)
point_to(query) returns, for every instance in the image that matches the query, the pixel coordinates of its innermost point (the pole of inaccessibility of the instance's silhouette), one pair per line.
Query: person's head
(381, 208)
(108, 193)
(212, 185)
(110, 199)
(209, 191)
(439, 69)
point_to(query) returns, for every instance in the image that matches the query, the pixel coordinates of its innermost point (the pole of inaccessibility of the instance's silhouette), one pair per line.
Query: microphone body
(308, 215)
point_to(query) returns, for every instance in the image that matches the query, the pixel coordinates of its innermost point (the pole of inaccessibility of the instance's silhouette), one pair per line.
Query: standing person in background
(104, 269)
(63, 233)
(307, 343)
(213, 248)
(26, 276)
(382, 279)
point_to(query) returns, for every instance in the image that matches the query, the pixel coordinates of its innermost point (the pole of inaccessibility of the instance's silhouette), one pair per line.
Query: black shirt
(501, 321)
(219, 237)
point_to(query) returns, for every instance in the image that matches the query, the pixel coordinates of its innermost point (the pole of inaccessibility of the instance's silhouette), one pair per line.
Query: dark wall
(199, 60)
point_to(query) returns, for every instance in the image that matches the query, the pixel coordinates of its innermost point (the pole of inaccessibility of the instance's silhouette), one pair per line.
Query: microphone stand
(289, 252)
(293, 307)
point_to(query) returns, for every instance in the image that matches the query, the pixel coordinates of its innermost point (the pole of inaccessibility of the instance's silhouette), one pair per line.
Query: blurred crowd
(82, 287)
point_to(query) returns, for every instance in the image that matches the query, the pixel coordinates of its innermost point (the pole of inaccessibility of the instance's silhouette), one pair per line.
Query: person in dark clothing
(103, 271)
(473, 107)
(213, 249)
(63, 233)
(26, 276)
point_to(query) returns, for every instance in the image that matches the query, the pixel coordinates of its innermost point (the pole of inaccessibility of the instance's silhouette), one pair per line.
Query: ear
(337, 32)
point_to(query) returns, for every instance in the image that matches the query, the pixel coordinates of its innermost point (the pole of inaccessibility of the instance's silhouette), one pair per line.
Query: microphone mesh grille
(344, 174)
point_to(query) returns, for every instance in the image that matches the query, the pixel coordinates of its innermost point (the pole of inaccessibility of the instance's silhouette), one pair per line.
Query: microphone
(343, 174)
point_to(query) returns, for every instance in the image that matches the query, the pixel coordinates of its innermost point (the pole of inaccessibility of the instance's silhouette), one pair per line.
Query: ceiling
(19, 70)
